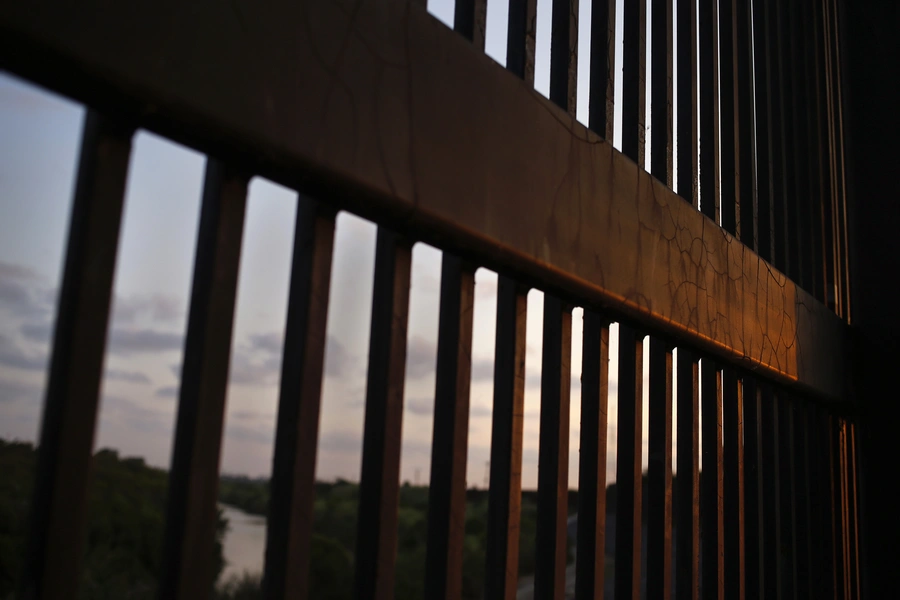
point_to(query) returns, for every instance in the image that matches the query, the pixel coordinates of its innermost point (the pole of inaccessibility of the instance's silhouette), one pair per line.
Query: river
(244, 544)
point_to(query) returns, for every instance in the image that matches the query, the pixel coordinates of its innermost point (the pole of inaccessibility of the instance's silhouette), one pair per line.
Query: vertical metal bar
(820, 143)
(564, 55)
(800, 108)
(771, 519)
(661, 100)
(291, 498)
(687, 488)
(821, 512)
(553, 453)
(187, 569)
(845, 509)
(854, 514)
(837, 557)
(753, 524)
(447, 492)
(842, 188)
(745, 142)
(710, 197)
(810, 127)
(775, 101)
(520, 39)
(505, 496)
(590, 554)
(379, 485)
(733, 481)
(802, 520)
(59, 503)
(832, 154)
(603, 61)
(628, 464)
(469, 20)
(634, 54)
(688, 169)
(788, 150)
(762, 76)
(659, 475)
(711, 491)
(786, 482)
(729, 137)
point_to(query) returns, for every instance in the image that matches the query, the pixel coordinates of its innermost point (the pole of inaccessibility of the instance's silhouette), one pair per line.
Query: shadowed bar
(505, 495)
(634, 53)
(520, 38)
(661, 98)
(787, 554)
(187, 566)
(603, 60)
(819, 136)
(659, 472)
(762, 75)
(753, 524)
(289, 528)
(710, 197)
(775, 109)
(59, 503)
(628, 464)
(687, 124)
(687, 488)
(379, 485)
(810, 126)
(802, 499)
(733, 423)
(800, 198)
(469, 20)
(771, 514)
(447, 492)
(728, 134)
(590, 554)
(553, 455)
(745, 131)
(711, 513)
(564, 55)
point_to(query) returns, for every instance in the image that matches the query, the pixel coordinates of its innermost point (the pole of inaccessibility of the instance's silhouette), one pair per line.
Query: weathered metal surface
(634, 77)
(290, 520)
(187, 565)
(753, 526)
(379, 483)
(603, 61)
(733, 483)
(687, 488)
(447, 492)
(712, 542)
(551, 552)
(659, 472)
(403, 121)
(629, 428)
(590, 557)
(505, 495)
(60, 501)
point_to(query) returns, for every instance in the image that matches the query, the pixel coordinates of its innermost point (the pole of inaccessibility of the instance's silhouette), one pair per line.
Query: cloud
(13, 356)
(141, 418)
(169, 391)
(123, 342)
(421, 357)
(420, 406)
(126, 376)
(338, 361)
(157, 308)
(251, 415)
(14, 391)
(249, 434)
(23, 294)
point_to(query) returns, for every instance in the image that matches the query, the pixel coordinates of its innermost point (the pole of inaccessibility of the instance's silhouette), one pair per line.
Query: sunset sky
(39, 139)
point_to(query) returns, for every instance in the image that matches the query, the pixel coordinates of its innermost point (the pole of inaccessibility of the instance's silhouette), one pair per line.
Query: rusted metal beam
(191, 509)
(590, 557)
(289, 527)
(410, 139)
(659, 472)
(59, 504)
(687, 488)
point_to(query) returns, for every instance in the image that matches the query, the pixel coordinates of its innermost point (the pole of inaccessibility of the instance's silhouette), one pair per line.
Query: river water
(244, 544)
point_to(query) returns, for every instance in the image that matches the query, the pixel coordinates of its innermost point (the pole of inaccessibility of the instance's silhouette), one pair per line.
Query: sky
(39, 139)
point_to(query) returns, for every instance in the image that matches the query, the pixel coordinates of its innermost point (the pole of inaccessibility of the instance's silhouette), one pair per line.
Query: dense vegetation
(126, 517)
(125, 524)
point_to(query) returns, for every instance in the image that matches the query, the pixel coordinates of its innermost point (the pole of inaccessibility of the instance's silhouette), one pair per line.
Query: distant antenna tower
(487, 474)
(418, 472)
